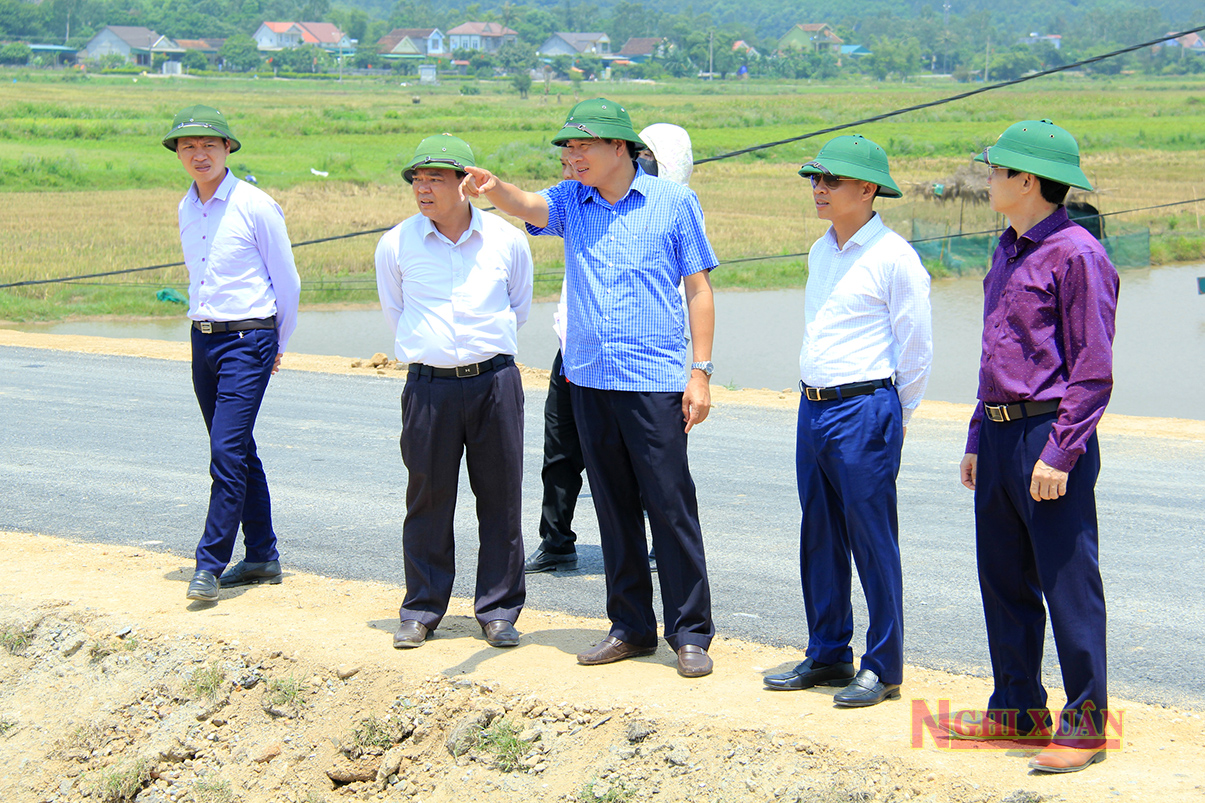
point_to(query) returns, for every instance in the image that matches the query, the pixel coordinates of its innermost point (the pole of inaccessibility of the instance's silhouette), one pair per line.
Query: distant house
(744, 48)
(564, 43)
(412, 43)
(275, 36)
(486, 37)
(1189, 43)
(206, 47)
(1053, 38)
(811, 38)
(855, 51)
(641, 49)
(135, 44)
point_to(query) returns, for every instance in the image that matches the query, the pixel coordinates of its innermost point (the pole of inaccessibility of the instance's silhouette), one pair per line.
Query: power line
(951, 99)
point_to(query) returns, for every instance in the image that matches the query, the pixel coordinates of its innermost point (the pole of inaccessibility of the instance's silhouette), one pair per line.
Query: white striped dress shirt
(240, 260)
(867, 316)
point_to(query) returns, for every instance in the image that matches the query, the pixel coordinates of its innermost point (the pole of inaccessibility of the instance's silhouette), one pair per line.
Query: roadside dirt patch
(294, 693)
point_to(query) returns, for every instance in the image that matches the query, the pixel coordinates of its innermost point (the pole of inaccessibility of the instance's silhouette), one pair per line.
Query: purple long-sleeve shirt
(1048, 320)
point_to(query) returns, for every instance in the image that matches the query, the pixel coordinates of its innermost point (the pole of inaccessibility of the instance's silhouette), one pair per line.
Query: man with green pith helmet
(455, 285)
(865, 360)
(1032, 457)
(243, 296)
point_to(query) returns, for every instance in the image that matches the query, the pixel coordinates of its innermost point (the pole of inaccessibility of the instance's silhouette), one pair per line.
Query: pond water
(1159, 353)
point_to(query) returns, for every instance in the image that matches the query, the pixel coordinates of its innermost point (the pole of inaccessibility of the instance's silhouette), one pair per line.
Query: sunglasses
(828, 180)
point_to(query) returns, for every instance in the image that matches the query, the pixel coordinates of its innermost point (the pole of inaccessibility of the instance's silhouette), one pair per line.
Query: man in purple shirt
(1032, 457)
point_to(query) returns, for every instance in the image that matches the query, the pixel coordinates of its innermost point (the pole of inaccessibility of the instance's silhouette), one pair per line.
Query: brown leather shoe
(973, 725)
(1057, 758)
(500, 633)
(610, 650)
(693, 661)
(411, 633)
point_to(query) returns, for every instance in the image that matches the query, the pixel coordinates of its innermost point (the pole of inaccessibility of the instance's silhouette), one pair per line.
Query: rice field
(86, 187)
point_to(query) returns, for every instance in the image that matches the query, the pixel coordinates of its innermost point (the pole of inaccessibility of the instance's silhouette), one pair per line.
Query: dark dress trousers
(230, 372)
(563, 466)
(481, 418)
(635, 448)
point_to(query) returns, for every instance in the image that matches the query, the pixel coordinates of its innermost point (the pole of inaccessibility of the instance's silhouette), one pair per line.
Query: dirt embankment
(108, 676)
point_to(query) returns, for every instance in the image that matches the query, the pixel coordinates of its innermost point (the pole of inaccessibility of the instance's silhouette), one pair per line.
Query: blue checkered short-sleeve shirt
(623, 263)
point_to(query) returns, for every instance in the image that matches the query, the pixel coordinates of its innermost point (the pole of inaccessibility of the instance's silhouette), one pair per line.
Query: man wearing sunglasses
(867, 351)
(1032, 456)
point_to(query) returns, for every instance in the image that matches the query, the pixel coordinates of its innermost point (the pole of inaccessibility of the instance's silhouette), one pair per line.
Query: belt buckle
(997, 413)
(813, 394)
(465, 371)
(206, 327)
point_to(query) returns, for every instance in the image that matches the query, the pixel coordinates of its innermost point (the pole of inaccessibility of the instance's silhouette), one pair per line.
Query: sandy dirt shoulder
(104, 654)
(537, 379)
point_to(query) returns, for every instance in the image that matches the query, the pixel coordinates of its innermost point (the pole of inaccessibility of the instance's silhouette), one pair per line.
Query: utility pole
(711, 56)
(987, 61)
(945, 21)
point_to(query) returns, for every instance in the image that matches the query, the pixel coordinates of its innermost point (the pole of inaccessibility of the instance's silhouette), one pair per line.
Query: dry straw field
(87, 188)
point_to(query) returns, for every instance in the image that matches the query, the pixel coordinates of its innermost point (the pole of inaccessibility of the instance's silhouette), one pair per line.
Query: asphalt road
(113, 449)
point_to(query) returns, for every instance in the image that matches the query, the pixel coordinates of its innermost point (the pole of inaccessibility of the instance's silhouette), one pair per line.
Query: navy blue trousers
(847, 457)
(635, 447)
(1028, 550)
(481, 418)
(563, 467)
(230, 372)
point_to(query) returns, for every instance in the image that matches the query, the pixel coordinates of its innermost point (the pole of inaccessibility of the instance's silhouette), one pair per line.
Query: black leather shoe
(809, 674)
(652, 561)
(865, 690)
(245, 574)
(411, 633)
(500, 633)
(550, 562)
(204, 586)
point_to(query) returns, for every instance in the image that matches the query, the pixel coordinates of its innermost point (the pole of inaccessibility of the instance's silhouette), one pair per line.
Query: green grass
(285, 692)
(205, 683)
(374, 733)
(120, 783)
(212, 791)
(7, 726)
(14, 640)
(501, 740)
(605, 792)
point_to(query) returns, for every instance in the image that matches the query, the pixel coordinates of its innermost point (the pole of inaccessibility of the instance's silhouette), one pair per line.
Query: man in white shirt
(867, 351)
(243, 294)
(455, 286)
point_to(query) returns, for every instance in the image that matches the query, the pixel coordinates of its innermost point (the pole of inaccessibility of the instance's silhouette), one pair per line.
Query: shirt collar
(222, 193)
(1049, 225)
(641, 184)
(474, 226)
(863, 236)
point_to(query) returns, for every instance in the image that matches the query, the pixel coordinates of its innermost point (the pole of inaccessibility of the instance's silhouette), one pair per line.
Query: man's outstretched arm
(527, 206)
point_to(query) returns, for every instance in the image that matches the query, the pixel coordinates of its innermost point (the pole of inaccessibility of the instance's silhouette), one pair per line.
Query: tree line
(972, 39)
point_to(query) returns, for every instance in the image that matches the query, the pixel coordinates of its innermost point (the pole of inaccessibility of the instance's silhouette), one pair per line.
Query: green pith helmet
(200, 121)
(598, 118)
(1039, 147)
(442, 151)
(854, 157)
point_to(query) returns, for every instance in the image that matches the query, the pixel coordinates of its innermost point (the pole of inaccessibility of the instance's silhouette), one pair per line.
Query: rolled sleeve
(556, 197)
(694, 251)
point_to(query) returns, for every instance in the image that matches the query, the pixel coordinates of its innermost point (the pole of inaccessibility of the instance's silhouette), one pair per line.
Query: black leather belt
(844, 391)
(462, 371)
(214, 327)
(1001, 413)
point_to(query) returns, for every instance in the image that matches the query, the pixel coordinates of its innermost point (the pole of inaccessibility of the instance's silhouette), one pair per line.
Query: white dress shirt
(866, 314)
(240, 260)
(454, 303)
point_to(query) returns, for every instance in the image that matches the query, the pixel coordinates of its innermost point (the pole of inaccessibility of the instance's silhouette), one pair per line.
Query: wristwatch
(708, 368)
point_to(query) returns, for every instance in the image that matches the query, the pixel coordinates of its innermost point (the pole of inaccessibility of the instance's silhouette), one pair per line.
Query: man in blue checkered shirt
(630, 239)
